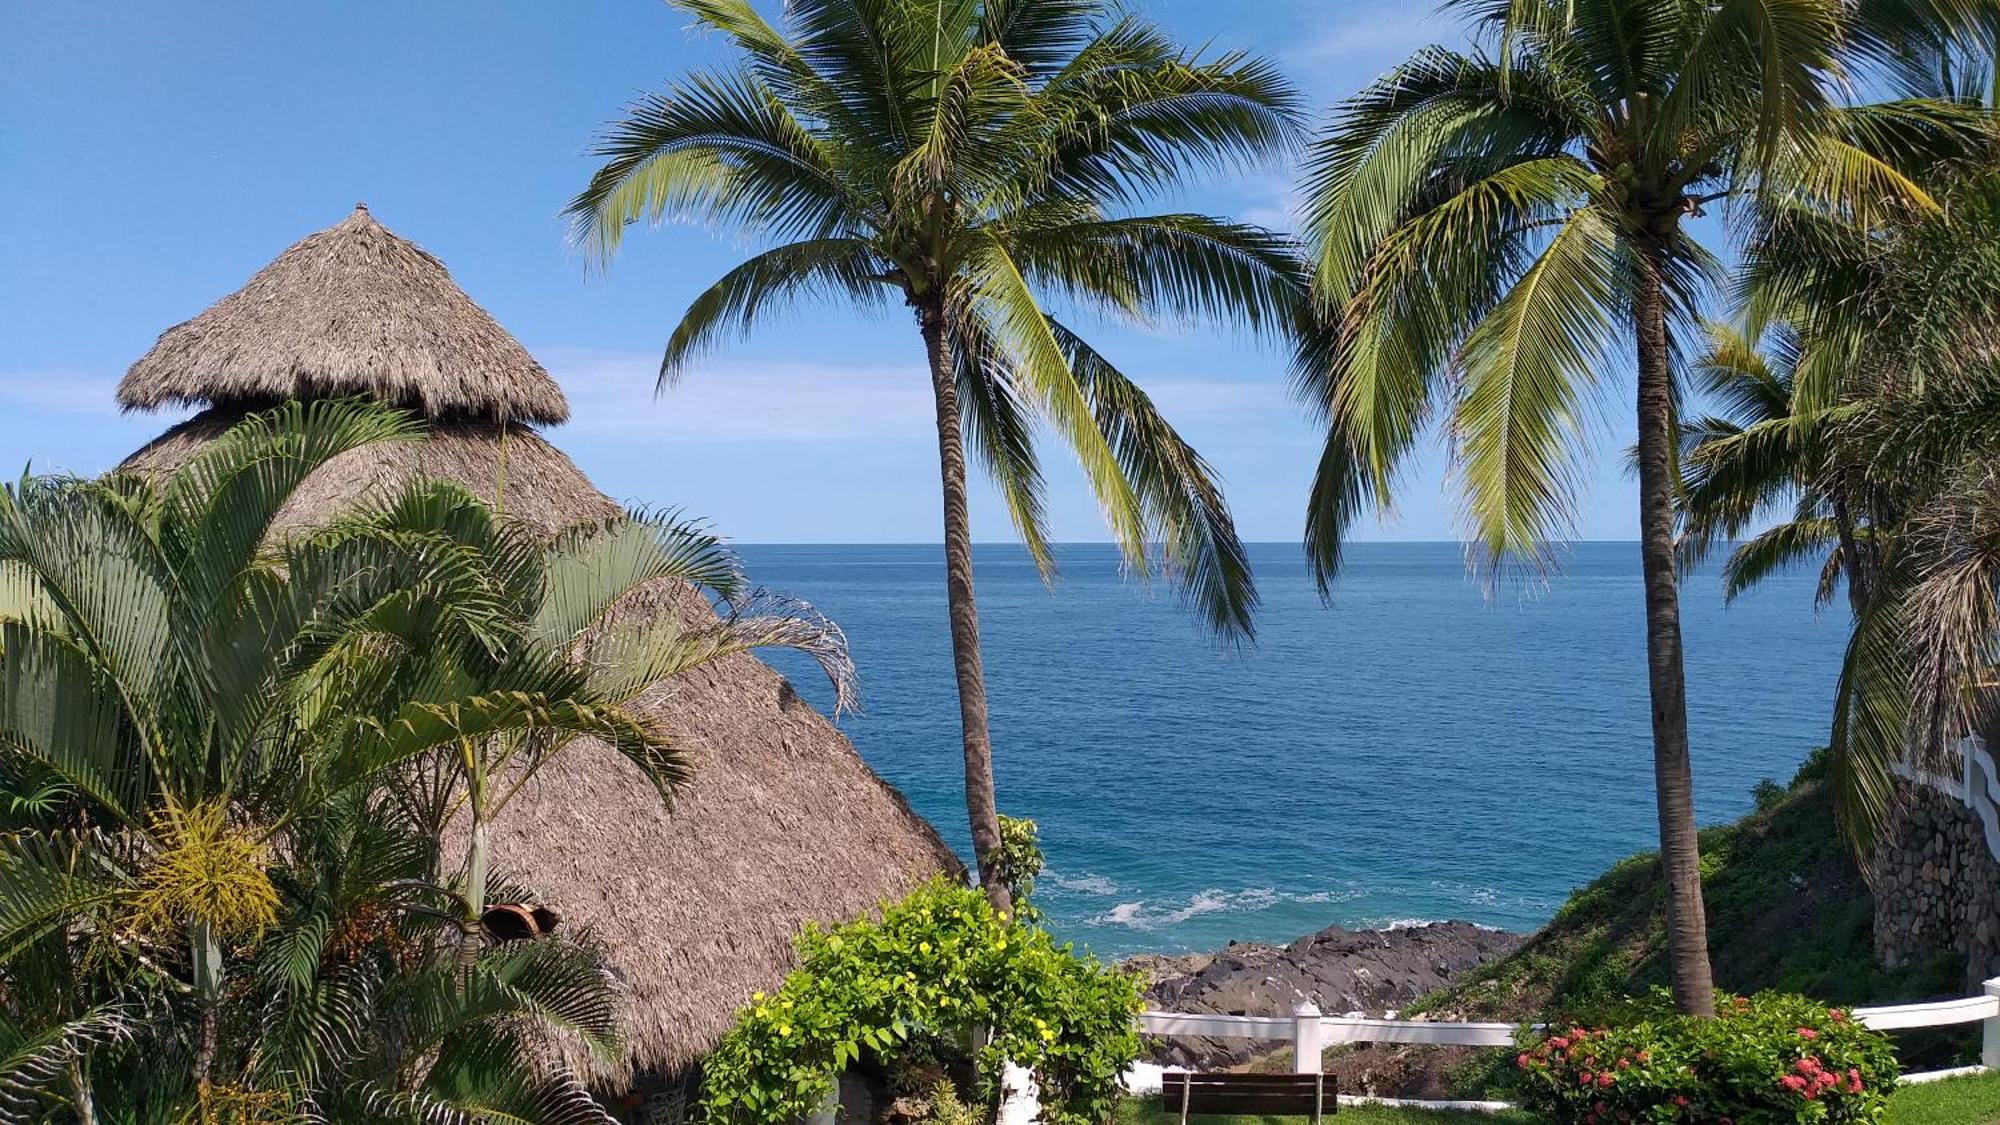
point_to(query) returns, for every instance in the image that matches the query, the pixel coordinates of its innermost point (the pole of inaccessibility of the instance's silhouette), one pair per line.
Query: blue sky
(156, 155)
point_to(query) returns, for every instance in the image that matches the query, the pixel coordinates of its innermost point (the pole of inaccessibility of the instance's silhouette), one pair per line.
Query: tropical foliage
(970, 160)
(1858, 391)
(240, 766)
(1488, 225)
(938, 968)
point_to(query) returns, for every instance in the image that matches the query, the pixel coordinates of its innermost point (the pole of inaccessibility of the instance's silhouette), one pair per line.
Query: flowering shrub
(937, 966)
(1773, 1058)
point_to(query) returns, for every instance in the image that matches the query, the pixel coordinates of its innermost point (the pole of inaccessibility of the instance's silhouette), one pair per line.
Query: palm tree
(1856, 390)
(470, 726)
(1906, 438)
(968, 158)
(1771, 446)
(1487, 224)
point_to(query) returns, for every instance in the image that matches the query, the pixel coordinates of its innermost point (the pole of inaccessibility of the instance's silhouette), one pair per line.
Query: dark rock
(1342, 971)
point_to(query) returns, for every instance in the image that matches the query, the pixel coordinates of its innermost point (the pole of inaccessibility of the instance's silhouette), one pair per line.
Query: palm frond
(1776, 549)
(1178, 490)
(1517, 421)
(841, 267)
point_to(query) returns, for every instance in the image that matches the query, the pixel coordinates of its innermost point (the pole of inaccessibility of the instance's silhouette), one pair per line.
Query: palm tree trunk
(980, 807)
(1673, 777)
(206, 950)
(471, 936)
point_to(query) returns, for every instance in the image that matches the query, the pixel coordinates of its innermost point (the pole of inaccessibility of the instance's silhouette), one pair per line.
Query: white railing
(1309, 1032)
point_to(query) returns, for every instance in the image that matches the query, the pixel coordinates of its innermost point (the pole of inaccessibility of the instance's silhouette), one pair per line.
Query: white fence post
(1989, 1053)
(1305, 1037)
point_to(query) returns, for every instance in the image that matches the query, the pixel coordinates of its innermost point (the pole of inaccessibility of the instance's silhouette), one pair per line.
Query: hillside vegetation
(1787, 909)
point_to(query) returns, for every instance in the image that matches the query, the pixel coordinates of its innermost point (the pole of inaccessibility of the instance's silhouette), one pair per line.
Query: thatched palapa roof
(782, 823)
(350, 310)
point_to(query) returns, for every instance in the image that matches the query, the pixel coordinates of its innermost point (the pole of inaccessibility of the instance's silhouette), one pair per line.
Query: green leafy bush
(1020, 861)
(1764, 1060)
(938, 965)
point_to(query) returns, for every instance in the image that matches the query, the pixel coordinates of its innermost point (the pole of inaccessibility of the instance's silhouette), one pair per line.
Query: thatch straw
(352, 309)
(782, 823)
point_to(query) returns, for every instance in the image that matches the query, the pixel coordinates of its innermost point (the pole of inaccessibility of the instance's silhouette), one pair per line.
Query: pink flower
(1586, 1079)
(1792, 1082)
(1836, 1015)
(1605, 1080)
(1521, 1060)
(1680, 1099)
(1808, 1033)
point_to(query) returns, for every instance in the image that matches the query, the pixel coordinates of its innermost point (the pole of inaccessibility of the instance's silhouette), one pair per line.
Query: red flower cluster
(1811, 1078)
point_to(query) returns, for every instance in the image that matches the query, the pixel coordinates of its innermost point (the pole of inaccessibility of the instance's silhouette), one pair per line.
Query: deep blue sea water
(1417, 749)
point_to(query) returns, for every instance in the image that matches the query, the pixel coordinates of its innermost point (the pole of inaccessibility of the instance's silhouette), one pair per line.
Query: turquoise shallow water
(1415, 750)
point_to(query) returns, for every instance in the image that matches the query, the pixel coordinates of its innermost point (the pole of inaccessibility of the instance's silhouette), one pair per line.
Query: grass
(1147, 1111)
(1957, 1101)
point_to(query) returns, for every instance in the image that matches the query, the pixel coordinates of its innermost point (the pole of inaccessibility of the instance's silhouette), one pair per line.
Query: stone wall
(1937, 886)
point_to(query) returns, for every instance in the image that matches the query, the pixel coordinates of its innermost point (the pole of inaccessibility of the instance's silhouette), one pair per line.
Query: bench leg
(1319, 1097)
(1186, 1089)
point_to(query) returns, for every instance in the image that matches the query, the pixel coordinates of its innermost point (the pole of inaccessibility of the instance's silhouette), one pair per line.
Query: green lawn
(1959, 1101)
(1137, 1111)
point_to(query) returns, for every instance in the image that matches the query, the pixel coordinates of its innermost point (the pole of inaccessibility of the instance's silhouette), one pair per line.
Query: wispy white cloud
(62, 391)
(611, 399)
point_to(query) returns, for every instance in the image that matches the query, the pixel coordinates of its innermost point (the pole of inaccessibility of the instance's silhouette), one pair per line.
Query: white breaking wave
(1088, 883)
(1141, 914)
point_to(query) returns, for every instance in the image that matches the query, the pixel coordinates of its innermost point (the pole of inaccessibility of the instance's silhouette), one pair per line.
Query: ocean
(1416, 749)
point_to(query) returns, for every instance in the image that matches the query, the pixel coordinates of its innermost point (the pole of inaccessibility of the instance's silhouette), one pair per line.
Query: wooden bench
(1300, 1095)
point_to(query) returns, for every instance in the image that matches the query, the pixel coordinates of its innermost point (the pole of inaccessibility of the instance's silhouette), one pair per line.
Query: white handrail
(1937, 1013)
(1308, 1029)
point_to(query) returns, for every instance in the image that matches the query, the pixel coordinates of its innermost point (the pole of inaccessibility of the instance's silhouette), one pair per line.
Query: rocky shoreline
(1343, 971)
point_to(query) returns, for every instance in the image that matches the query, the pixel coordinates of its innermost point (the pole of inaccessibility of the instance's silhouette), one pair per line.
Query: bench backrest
(1306, 1095)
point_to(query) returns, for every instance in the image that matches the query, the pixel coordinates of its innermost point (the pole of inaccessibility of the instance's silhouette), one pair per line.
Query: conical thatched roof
(782, 823)
(352, 309)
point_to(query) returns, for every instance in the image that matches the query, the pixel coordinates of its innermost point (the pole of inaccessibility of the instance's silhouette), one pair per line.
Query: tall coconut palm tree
(969, 159)
(1487, 225)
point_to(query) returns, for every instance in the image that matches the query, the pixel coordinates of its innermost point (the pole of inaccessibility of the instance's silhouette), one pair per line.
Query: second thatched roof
(780, 824)
(350, 310)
